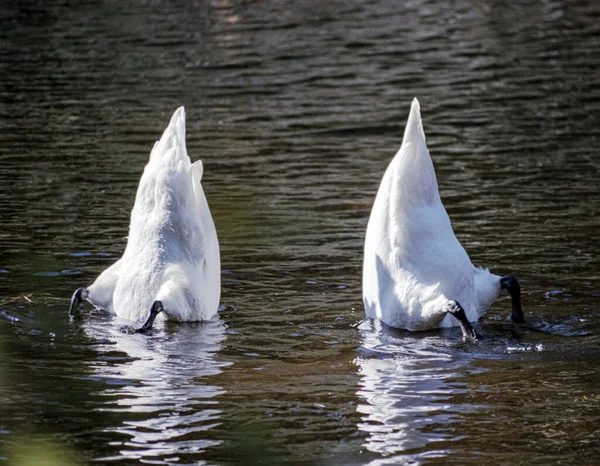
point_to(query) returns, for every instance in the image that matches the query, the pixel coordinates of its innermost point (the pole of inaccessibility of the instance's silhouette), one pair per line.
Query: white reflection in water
(158, 386)
(407, 387)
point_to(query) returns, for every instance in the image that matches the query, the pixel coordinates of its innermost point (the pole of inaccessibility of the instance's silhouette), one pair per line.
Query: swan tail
(414, 176)
(171, 148)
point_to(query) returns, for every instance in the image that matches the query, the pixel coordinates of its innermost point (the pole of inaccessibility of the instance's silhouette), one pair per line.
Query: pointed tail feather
(414, 175)
(414, 125)
(171, 147)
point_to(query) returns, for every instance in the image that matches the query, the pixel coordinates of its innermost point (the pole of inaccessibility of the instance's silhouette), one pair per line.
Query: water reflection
(158, 386)
(406, 389)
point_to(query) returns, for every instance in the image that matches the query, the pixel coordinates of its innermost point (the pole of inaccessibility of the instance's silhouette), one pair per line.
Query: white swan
(171, 262)
(416, 275)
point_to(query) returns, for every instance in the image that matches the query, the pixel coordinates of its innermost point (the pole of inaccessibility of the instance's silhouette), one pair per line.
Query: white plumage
(414, 267)
(172, 252)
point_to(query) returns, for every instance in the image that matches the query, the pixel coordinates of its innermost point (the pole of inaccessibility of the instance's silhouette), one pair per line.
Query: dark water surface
(296, 109)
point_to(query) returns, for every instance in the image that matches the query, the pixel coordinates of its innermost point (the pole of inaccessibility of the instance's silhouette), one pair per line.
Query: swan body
(172, 252)
(414, 268)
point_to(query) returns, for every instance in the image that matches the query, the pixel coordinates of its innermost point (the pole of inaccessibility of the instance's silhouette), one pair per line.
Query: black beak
(157, 308)
(78, 297)
(511, 284)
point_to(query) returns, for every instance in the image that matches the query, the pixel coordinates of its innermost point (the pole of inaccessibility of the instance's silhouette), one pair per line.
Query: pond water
(296, 108)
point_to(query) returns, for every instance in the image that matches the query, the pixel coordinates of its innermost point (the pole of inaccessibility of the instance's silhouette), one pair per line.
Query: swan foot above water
(81, 294)
(79, 297)
(157, 308)
(510, 284)
(455, 309)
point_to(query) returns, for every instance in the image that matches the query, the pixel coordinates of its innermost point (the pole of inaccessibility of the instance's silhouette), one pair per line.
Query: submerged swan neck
(511, 284)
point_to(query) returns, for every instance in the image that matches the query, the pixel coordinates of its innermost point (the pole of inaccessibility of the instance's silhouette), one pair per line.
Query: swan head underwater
(171, 264)
(416, 275)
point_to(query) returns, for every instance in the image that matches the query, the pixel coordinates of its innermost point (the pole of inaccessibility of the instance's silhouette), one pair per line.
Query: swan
(171, 263)
(416, 275)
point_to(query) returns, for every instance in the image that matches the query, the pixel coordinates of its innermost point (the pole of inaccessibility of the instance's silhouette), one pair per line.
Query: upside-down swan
(171, 263)
(416, 275)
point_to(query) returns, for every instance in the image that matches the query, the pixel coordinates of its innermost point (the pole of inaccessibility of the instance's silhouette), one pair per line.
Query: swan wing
(211, 265)
(101, 292)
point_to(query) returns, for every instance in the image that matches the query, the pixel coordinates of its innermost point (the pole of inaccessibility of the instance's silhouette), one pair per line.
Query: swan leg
(157, 308)
(511, 284)
(79, 296)
(455, 309)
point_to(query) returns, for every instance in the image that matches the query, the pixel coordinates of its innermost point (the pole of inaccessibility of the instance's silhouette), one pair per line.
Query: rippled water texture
(296, 108)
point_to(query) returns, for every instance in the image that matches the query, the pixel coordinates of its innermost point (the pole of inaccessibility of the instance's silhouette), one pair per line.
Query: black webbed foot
(79, 296)
(157, 308)
(511, 284)
(455, 309)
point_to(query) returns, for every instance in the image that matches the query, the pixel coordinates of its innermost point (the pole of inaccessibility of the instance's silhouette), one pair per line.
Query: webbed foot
(455, 309)
(155, 309)
(511, 284)
(79, 296)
